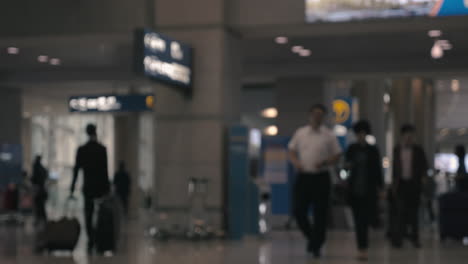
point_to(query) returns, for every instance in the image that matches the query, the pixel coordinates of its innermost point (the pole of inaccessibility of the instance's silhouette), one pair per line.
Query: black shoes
(313, 250)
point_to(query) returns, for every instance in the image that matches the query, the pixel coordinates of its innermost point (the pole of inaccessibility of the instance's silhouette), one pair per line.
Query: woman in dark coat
(364, 184)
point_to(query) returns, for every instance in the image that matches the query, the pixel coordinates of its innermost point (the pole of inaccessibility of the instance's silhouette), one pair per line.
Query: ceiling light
(271, 131)
(281, 40)
(297, 49)
(43, 59)
(435, 33)
(444, 44)
(305, 53)
(455, 86)
(13, 50)
(387, 98)
(437, 52)
(55, 61)
(270, 112)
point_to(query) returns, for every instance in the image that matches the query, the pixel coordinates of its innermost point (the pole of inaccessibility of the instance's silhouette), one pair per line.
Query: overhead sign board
(163, 58)
(342, 11)
(111, 103)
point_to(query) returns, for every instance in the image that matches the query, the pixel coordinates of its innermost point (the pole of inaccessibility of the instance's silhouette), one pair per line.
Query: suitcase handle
(66, 207)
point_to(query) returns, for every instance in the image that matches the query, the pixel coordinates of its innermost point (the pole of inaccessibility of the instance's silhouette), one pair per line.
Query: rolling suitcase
(453, 215)
(62, 234)
(107, 224)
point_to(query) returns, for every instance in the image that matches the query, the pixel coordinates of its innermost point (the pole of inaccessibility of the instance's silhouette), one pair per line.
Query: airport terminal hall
(234, 131)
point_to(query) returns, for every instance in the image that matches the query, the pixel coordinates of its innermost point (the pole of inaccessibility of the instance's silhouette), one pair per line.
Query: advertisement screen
(350, 10)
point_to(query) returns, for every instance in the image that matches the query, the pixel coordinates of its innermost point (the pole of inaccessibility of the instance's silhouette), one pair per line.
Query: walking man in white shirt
(312, 150)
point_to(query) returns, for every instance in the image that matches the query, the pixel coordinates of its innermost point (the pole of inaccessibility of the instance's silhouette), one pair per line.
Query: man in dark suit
(409, 173)
(92, 158)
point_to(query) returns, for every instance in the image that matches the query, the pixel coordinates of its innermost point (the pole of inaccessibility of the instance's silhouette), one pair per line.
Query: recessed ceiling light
(281, 40)
(13, 50)
(43, 58)
(435, 33)
(305, 53)
(55, 61)
(271, 112)
(387, 98)
(444, 44)
(271, 131)
(437, 51)
(297, 49)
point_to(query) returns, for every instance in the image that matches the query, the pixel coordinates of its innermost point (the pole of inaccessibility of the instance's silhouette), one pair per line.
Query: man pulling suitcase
(92, 158)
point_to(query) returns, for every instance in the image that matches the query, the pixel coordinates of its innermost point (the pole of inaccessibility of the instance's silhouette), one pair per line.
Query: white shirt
(314, 146)
(406, 161)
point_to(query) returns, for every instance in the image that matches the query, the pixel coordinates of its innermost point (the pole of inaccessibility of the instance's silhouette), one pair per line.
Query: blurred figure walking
(409, 173)
(122, 185)
(313, 150)
(39, 181)
(364, 184)
(92, 158)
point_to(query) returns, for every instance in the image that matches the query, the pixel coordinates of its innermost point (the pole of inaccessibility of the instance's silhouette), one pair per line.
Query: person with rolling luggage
(92, 158)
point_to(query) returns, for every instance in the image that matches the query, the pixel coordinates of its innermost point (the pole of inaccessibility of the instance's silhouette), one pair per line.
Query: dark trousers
(40, 209)
(124, 200)
(312, 190)
(407, 211)
(89, 214)
(362, 214)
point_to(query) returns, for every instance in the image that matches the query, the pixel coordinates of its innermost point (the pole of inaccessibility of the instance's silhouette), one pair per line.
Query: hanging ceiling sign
(163, 59)
(111, 103)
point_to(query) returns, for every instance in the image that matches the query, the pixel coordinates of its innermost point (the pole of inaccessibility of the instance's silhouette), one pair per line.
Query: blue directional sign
(112, 103)
(163, 58)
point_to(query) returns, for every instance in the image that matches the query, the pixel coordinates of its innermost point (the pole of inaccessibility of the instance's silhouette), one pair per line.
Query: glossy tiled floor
(15, 248)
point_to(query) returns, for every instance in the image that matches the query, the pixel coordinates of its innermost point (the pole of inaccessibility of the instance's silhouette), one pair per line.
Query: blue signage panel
(238, 151)
(162, 58)
(11, 160)
(111, 103)
(278, 172)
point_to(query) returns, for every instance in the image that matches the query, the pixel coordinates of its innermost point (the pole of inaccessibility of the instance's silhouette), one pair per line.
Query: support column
(190, 131)
(294, 96)
(413, 102)
(10, 115)
(371, 107)
(126, 149)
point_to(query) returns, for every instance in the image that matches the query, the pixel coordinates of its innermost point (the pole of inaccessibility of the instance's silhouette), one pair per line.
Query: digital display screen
(351, 10)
